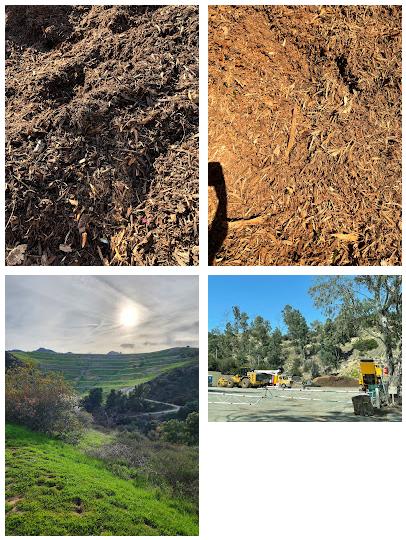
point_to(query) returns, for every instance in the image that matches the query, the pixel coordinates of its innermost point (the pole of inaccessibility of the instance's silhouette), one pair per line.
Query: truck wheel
(230, 383)
(283, 385)
(245, 383)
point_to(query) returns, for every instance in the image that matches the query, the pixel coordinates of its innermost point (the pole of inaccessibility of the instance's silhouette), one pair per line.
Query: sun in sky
(128, 316)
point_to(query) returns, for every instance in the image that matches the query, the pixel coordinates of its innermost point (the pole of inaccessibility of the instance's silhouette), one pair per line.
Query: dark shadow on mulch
(219, 226)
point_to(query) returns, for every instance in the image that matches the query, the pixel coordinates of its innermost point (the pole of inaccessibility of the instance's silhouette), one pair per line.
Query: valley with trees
(139, 453)
(361, 319)
(102, 443)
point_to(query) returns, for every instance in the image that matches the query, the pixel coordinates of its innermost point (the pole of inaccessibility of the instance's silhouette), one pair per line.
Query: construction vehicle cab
(276, 377)
(284, 381)
(371, 372)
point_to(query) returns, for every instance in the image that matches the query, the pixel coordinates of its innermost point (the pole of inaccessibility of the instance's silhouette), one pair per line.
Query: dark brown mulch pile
(305, 135)
(102, 135)
(336, 381)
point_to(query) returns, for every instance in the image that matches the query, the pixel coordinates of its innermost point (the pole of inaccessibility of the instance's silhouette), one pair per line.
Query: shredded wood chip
(66, 248)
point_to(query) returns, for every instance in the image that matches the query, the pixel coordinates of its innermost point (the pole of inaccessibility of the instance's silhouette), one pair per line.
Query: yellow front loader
(244, 378)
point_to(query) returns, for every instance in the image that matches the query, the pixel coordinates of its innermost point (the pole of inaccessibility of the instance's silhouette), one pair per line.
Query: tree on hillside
(298, 330)
(189, 407)
(115, 402)
(346, 325)
(240, 322)
(371, 302)
(136, 397)
(258, 336)
(245, 343)
(192, 429)
(315, 331)
(330, 351)
(230, 349)
(240, 331)
(221, 349)
(276, 356)
(93, 401)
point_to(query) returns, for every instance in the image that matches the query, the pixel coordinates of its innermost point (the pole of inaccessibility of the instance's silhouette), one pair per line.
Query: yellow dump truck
(371, 372)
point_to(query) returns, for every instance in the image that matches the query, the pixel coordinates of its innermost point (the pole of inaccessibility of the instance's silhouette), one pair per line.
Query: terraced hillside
(108, 371)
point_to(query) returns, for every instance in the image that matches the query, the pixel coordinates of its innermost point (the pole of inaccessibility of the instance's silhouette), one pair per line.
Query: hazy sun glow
(128, 316)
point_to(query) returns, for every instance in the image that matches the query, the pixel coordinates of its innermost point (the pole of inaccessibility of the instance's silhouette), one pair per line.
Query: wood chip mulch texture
(305, 135)
(102, 135)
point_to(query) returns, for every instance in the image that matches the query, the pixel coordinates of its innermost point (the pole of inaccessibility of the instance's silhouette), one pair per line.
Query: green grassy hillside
(54, 489)
(109, 371)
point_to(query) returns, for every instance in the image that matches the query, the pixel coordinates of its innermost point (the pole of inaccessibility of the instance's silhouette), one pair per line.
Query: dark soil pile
(102, 135)
(305, 135)
(336, 381)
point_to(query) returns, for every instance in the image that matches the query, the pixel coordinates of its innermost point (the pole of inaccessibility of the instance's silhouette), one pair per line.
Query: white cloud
(81, 313)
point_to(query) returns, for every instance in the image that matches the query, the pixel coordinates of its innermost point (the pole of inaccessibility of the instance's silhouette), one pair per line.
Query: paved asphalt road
(289, 405)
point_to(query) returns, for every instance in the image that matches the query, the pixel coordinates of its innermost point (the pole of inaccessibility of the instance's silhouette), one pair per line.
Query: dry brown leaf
(16, 255)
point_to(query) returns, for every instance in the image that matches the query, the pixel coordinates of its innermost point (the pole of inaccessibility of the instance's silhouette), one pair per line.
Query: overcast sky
(84, 314)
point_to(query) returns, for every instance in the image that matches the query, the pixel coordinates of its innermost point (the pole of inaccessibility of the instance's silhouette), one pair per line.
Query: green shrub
(43, 402)
(365, 345)
(176, 431)
(169, 467)
(179, 469)
(191, 406)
